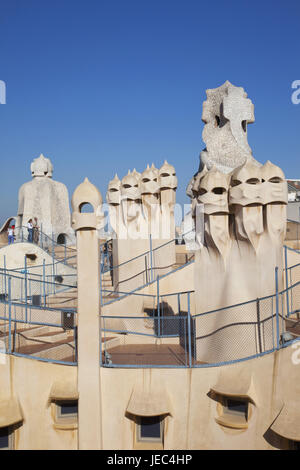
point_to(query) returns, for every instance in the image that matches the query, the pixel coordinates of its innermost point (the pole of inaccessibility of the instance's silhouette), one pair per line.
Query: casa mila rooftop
(126, 332)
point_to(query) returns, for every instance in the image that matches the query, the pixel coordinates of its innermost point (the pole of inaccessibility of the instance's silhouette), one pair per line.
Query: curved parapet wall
(269, 388)
(12, 257)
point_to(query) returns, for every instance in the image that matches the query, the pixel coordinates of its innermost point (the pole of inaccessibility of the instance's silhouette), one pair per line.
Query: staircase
(52, 343)
(106, 282)
(68, 299)
(63, 300)
(69, 253)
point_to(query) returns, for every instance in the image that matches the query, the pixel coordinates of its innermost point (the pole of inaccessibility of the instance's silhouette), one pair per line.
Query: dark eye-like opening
(113, 190)
(219, 190)
(164, 175)
(275, 179)
(217, 121)
(155, 179)
(126, 186)
(86, 207)
(146, 180)
(202, 191)
(244, 126)
(235, 183)
(253, 181)
(136, 185)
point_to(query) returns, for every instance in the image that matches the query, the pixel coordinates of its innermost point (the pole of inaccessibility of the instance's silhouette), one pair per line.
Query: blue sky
(104, 86)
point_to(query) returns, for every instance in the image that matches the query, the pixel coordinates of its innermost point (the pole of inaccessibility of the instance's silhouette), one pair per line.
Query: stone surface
(226, 114)
(88, 314)
(244, 225)
(47, 200)
(140, 205)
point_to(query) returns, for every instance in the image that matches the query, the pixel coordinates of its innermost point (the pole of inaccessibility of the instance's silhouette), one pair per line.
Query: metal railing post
(41, 236)
(277, 308)
(286, 281)
(146, 269)
(258, 325)
(189, 331)
(158, 305)
(151, 258)
(53, 254)
(184, 321)
(9, 315)
(53, 275)
(44, 281)
(5, 275)
(101, 294)
(75, 341)
(25, 287)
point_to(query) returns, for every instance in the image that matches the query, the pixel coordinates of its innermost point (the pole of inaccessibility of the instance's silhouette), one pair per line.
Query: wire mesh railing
(170, 336)
(110, 295)
(33, 322)
(168, 333)
(292, 276)
(143, 268)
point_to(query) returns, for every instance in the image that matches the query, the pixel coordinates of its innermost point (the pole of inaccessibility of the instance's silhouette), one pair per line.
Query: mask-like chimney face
(167, 177)
(41, 166)
(149, 181)
(130, 189)
(246, 185)
(196, 182)
(274, 186)
(213, 192)
(113, 194)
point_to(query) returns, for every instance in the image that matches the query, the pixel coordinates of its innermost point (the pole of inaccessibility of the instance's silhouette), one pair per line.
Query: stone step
(63, 303)
(55, 336)
(65, 294)
(58, 351)
(40, 336)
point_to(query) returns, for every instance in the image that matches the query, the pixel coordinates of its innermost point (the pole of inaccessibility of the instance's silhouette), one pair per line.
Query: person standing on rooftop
(11, 234)
(30, 231)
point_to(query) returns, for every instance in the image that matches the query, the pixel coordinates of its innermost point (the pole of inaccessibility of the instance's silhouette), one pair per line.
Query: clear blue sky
(103, 86)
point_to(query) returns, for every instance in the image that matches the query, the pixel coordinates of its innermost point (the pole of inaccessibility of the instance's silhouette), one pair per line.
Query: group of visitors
(33, 232)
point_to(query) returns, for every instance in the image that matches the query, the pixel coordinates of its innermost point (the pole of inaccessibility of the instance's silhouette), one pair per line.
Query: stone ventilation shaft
(86, 224)
(142, 205)
(48, 201)
(244, 217)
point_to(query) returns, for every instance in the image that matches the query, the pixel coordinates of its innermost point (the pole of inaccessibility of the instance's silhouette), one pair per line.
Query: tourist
(11, 234)
(35, 231)
(30, 231)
